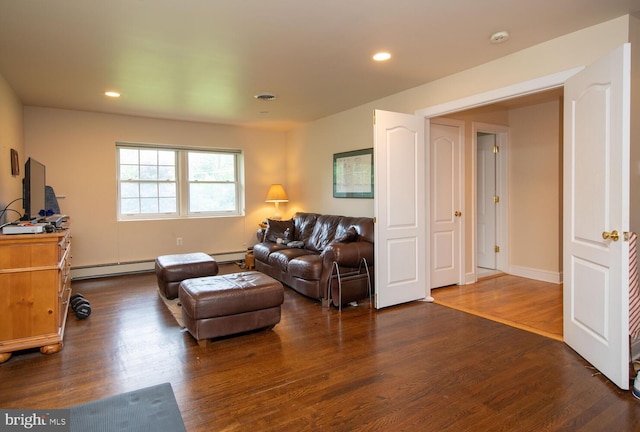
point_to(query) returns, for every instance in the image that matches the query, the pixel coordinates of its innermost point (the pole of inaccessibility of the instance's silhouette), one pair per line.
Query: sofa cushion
(304, 223)
(261, 251)
(280, 259)
(324, 232)
(362, 225)
(308, 267)
(277, 229)
(348, 236)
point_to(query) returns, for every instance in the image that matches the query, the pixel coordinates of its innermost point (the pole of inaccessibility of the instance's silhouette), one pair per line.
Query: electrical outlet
(178, 241)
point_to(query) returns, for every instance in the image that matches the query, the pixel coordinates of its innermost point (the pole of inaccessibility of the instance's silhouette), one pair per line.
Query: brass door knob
(613, 235)
(458, 213)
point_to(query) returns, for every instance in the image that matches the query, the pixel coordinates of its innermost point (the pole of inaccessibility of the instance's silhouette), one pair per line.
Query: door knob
(613, 235)
(458, 214)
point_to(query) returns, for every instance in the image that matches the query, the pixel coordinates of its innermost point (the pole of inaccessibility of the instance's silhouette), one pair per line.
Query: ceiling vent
(265, 96)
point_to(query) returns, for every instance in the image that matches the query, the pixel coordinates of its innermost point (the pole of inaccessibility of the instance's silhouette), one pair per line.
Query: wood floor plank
(414, 367)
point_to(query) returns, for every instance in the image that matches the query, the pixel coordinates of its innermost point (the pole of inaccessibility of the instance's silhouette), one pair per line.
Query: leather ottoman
(173, 269)
(229, 304)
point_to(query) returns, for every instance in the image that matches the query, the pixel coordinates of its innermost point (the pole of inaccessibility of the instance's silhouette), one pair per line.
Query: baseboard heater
(118, 269)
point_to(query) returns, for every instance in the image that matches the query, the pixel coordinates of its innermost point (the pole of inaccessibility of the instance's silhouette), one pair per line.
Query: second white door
(446, 172)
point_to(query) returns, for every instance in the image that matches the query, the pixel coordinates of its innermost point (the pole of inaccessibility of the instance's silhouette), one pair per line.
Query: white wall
(535, 185)
(78, 149)
(11, 137)
(310, 152)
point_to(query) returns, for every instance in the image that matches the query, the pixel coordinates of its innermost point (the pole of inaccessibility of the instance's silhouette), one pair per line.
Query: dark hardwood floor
(415, 367)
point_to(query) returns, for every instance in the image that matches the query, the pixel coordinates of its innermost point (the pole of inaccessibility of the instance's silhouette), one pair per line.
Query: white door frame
(502, 185)
(525, 88)
(537, 85)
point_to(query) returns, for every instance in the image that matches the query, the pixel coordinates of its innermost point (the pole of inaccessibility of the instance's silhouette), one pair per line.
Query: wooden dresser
(35, 286)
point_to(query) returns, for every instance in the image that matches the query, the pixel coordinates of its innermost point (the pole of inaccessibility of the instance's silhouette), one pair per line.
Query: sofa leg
(204, 343)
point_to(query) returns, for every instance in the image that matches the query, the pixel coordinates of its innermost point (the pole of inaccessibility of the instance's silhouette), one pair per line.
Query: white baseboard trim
(536, 274)
(116, 269)
(470, 278)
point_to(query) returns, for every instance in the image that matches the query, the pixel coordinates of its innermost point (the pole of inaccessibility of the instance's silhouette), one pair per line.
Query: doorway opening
(512, 180)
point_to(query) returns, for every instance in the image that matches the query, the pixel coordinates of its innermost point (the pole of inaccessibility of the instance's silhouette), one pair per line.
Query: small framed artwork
(15, 163)
(353, 174)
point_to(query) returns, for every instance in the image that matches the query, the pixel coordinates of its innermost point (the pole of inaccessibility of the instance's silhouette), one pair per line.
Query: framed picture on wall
(353, 174)
(15, 163)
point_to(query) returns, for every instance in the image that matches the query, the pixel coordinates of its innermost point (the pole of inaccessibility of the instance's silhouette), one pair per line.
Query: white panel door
(596, 205)
(446, 203)
(400, 209)
(486, 211)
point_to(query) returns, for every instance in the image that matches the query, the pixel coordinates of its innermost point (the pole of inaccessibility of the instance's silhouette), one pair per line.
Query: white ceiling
(204, 60)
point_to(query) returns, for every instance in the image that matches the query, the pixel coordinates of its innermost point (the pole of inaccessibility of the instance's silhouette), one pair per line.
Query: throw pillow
(276, 229)
(350, 235)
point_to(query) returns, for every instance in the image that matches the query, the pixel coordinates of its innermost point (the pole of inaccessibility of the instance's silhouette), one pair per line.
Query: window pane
(167, 173)
(167, 205)
(148, 205)
(148, 189)
(129, 172)
(148, 157)
(211, 167)
(148, 172)
(129, 156)
(167, 157)
(129, 190)
(211, 197)
(167, 190)
(129, 206)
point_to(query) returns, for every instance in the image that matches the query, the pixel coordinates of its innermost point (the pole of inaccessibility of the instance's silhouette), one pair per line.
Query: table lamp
(277, 195)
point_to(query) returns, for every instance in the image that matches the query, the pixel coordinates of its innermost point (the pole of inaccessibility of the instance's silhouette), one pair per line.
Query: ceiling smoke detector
(265, 96)
(499, 37)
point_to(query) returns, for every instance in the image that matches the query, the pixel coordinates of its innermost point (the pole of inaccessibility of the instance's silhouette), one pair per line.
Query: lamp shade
(276, 194)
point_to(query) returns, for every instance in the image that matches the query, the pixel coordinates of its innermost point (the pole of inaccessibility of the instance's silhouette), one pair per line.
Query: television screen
(33, 194)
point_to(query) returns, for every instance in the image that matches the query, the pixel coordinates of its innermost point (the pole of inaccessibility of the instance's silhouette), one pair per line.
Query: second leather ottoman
(223, 305)
(173, 269)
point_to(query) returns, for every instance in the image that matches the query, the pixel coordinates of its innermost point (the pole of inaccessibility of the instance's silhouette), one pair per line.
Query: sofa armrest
(348, 254)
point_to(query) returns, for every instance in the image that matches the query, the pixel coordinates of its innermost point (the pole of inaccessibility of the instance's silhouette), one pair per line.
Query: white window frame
(182, 183)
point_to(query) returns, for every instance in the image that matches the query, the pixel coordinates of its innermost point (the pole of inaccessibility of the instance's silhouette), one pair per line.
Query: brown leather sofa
(301, 253)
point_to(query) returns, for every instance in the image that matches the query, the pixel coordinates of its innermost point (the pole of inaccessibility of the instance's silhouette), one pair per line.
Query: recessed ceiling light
(381, 56)
(112, 94)
(265, 96)
(499, 37)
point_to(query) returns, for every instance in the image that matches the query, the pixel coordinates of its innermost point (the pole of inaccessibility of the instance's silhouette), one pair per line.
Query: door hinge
(496, 199)
(496, 149)
(496, 249)
(375, 219)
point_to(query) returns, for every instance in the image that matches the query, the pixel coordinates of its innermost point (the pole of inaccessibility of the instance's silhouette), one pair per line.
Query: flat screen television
(33, 189)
